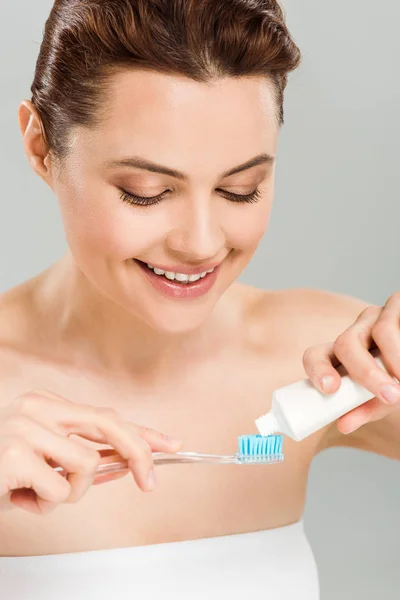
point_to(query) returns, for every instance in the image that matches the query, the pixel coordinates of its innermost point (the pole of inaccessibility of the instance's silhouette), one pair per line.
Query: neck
(98, 332)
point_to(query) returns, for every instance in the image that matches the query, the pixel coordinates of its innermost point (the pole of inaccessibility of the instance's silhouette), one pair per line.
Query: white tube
(300, 409)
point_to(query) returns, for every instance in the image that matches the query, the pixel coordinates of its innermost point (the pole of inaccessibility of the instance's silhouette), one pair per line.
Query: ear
(35, 146)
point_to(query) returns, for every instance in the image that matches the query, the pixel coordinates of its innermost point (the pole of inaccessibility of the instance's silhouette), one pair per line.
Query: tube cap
(267, 424)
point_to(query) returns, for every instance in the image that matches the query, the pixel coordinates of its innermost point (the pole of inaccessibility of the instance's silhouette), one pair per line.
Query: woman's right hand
(34, 432)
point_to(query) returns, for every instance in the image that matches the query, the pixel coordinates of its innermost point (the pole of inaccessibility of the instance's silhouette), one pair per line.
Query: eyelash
(150, 201)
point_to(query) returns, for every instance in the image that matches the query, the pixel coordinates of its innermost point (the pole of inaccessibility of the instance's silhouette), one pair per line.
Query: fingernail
(172, 440)
(151, 482)
(390, 393)
(327, 382)
(351, 429)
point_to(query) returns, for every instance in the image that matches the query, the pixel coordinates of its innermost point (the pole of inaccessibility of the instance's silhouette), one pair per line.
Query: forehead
(147, 110)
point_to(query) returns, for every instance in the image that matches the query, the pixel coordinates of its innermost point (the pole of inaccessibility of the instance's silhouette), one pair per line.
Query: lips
(172, 288)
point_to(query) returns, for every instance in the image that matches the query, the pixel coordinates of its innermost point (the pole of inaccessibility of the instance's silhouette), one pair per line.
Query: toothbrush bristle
(258, 448)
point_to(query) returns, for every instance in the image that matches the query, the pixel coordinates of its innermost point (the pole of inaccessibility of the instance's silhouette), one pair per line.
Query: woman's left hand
(376, 326)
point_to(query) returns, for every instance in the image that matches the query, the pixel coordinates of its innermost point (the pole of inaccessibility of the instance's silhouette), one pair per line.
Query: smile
(179, 277)
(175, 284)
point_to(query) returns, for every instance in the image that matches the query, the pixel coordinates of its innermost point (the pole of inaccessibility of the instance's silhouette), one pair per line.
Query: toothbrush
(252, 450)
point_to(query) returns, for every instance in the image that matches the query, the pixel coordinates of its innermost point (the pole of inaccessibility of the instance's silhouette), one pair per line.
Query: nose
(199, 235)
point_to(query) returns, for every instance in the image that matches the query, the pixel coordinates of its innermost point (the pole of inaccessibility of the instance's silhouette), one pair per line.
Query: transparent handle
(114, 463)
(110, 462)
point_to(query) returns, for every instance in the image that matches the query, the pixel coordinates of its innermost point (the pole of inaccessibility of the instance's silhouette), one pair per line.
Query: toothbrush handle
(161, 458)
(116, 464)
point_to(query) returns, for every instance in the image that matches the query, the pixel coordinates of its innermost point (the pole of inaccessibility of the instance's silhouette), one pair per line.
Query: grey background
(334, 226)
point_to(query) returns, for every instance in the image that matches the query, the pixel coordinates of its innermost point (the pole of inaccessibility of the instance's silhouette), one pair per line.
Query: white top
(277, 564)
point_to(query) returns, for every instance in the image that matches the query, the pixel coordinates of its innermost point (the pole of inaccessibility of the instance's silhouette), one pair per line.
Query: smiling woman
(155, 132)
(156, 123)
(209, 204)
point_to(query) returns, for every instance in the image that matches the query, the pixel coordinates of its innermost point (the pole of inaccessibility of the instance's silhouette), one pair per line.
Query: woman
(155, 123)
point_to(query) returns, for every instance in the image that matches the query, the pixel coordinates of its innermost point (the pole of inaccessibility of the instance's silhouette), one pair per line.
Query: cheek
(248, 228)
(100, 224)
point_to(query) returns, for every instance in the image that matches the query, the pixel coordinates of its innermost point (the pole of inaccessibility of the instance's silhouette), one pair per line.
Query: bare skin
(256, 348)
(94, 333)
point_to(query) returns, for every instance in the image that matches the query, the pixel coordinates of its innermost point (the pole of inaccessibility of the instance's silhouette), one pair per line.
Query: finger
(66, 417)
(125, 438)
(96, 424)
(79, 461)
(101, 425)
(386, 335)
(5, 503)
(133, 442)
(27, 500)
(158, 442)
(318, 362)
(109, 456)
(351, 348)
(373, 410)
(58, 414)
(21, 468)
(154, 442)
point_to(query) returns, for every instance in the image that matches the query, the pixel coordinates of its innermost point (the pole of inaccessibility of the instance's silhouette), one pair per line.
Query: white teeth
(194, 277)
(181, 277)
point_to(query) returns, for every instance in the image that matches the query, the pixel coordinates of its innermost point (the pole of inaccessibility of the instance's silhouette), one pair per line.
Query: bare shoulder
(303, 316)
(322, 309)
(16, 314)
(18, 329)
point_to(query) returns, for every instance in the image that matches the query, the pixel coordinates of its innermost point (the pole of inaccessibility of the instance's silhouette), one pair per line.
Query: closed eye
(151, 200)
(252, 197)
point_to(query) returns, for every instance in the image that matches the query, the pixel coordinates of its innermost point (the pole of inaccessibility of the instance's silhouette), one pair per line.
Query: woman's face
(177, 140)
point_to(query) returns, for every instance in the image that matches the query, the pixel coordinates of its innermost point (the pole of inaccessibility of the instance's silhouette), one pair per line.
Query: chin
(176, 320)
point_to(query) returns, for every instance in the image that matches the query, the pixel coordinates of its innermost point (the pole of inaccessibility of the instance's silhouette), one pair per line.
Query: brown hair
(85, 41)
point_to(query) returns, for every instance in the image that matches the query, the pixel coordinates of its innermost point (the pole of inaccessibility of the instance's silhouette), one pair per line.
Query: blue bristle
(260, 447)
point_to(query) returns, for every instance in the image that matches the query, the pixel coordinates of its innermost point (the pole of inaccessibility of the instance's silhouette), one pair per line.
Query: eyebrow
(139, 162)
